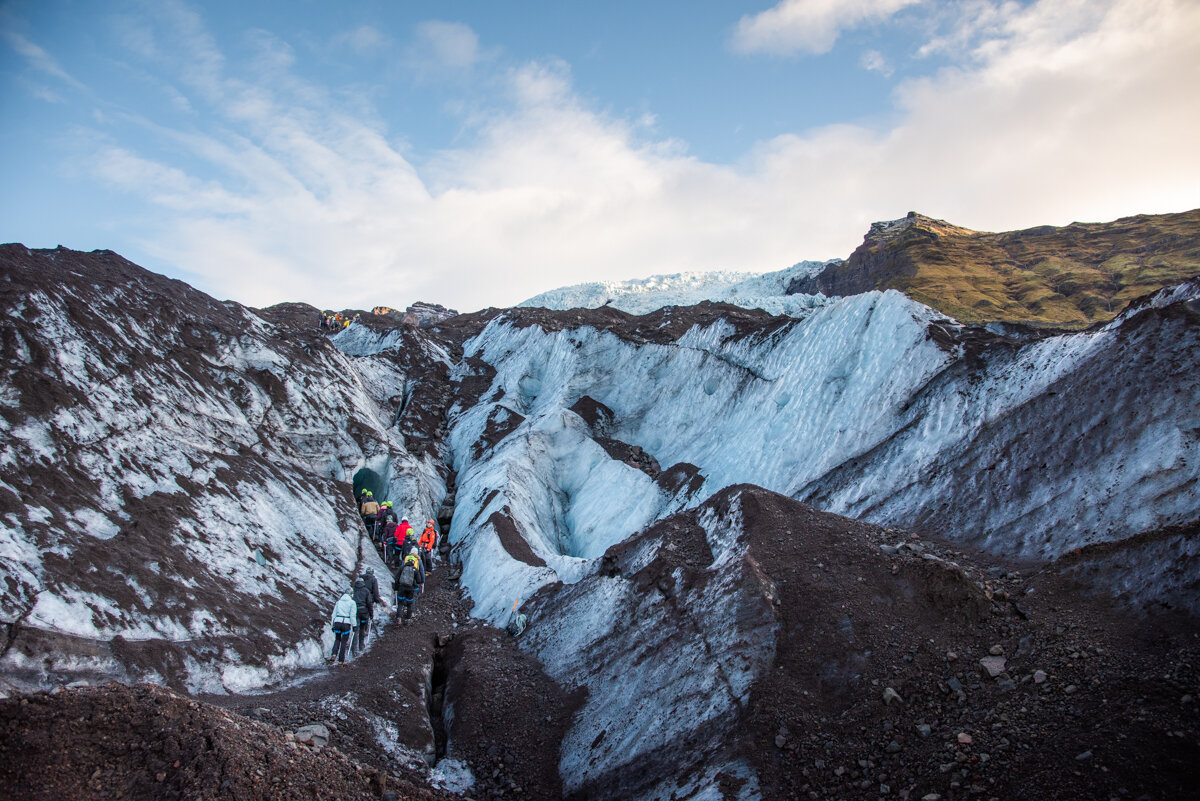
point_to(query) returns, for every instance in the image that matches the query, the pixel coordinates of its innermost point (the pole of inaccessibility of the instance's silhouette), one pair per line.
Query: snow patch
(766, 291)
(453, 775)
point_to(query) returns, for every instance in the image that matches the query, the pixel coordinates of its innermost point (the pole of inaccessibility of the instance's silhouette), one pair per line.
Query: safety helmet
(431, 522)
(404, 520)
(370, 571)
(411, 559)
(388, 504)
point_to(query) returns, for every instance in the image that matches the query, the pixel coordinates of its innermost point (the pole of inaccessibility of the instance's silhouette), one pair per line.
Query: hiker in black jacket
(373, 585)
(365, 602)
(407, 584)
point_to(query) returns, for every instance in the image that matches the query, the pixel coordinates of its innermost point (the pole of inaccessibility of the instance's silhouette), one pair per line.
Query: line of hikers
(336, 322)
(396, 539)
(410, 558)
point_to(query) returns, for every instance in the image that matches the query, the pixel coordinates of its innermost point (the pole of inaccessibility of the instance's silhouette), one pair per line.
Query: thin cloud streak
(1043, 117)
(40, 60)
(808, 26)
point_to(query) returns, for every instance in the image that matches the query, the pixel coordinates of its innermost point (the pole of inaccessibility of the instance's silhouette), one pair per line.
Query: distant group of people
(331, 321)
(408, 556)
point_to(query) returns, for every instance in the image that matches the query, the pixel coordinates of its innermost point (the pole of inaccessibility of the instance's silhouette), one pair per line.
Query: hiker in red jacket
(403, 532)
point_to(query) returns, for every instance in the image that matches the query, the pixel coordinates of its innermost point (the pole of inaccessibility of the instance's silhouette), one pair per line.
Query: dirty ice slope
(873, 406)
(171, 496)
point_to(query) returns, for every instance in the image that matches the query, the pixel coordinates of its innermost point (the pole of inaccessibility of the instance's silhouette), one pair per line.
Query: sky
(477, 153)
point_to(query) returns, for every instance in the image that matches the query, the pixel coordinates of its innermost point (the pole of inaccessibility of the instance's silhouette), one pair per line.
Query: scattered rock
(315, 735)
(996, 650)
(994, 665)
(965, 738)
(890, 695)
(1039, 676)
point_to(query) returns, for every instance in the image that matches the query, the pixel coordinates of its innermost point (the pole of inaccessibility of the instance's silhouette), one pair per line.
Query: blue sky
(478, 153)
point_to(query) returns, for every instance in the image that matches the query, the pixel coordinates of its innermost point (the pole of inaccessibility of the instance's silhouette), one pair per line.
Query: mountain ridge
(1066, 277)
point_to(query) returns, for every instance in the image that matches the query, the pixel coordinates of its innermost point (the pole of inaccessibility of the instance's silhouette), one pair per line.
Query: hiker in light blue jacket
(345, 613)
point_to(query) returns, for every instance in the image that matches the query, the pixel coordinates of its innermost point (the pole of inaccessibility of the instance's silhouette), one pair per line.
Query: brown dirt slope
(1088, 701)
(146, 742)
(1069, 277)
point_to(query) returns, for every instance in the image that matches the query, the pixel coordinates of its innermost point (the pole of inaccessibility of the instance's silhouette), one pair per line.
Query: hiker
(372, 583)
(426, 543)
(388, 548)
(403, 532)
(408, 579)
(370, 512)
(405, 539)
(345, 613)
(364, 603)
(415, 552)
(387, 513)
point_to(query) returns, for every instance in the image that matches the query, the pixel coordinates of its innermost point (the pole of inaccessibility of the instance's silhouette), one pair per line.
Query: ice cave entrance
(368, 479)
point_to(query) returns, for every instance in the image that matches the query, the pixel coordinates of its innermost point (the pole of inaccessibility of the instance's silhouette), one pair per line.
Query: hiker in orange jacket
(426, 543)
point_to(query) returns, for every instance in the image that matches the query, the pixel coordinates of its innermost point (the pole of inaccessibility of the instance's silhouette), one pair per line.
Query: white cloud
(445, 46)
(1046, 117)
(874, 61)
(810, 26)
(363, 39)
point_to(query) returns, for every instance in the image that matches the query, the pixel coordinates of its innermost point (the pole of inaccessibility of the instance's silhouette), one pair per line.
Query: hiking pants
(341, 639)
(360, 635)
(427, 559)
(405, 599)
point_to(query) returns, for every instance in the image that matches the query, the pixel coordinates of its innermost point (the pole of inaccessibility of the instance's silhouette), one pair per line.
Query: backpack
(517, 625)
(407, 578)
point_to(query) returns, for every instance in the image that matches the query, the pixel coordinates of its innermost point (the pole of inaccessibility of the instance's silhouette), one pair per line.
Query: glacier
(873, 406)
(639, 476)
(171, 477)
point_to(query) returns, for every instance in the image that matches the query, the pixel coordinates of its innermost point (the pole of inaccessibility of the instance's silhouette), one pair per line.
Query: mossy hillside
(1069, 277)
